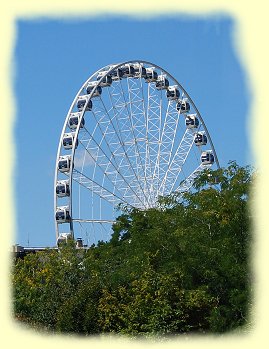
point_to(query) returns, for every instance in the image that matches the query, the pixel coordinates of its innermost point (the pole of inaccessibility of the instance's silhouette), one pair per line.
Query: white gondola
(68, 140)
(62, 188)
(128, 71)
(63, 238)
(162, 83)
(82, 100)
(200, 139)
(105, 80)
(64, 163)
(116, 74)
(74, 120)
(91, 85)
(172, 93)
(62, 214)
(139, 71)
(183, 106)
(207, 157)
(151, 75)
(191, 121)
(79, 243)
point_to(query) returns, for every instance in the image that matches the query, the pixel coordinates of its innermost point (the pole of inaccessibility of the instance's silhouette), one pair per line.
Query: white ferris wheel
(131, 135)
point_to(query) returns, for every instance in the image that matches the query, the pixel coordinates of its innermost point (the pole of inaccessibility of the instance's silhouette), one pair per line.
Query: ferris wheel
(131, 135)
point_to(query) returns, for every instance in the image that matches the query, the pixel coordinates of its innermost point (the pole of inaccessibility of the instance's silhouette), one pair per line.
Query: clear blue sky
(54, 58)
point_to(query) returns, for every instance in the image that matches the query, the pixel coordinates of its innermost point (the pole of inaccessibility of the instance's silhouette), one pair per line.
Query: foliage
(180, 268)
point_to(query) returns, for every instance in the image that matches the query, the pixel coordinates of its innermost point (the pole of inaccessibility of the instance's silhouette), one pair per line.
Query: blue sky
(54, 58)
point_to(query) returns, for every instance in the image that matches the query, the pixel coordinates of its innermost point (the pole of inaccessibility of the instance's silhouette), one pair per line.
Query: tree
(181, 267)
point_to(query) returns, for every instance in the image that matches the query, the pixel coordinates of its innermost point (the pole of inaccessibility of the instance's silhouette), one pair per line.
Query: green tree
(180, 267)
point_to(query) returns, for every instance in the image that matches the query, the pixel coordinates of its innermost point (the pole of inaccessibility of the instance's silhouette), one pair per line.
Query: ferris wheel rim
(107, 70)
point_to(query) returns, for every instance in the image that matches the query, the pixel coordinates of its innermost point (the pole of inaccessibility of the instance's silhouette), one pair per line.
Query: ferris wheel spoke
(124, 167)
(81, 220)
(167, 141)
(111, 173)
(133, 145)
(146, 160)
(105, 167)
(96, 188)
(137, 122)
(171, 176)
(114, 139)
(110, 165)
(153, 133)
(188, 182)
(125, 134)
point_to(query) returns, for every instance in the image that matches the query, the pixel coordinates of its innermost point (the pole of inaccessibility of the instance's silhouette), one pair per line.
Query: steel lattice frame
(133, 148)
